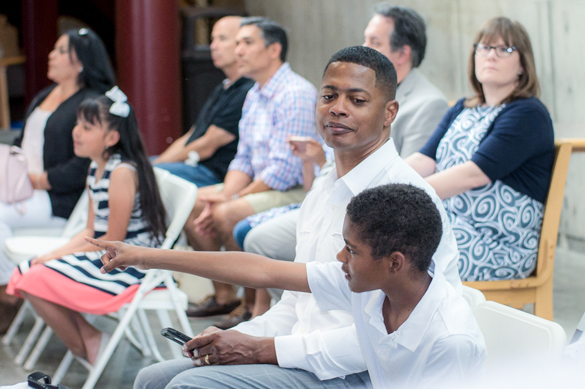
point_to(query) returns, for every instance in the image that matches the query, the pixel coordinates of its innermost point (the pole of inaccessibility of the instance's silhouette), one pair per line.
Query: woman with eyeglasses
(491, 157)
(80, 68)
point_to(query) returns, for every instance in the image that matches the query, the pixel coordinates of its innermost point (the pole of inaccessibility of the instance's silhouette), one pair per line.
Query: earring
(81, 70)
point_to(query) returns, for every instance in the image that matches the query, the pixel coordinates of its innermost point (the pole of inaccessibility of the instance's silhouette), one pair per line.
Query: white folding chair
(472, 296)
(178, 197)
(514, 339)
(22, 248)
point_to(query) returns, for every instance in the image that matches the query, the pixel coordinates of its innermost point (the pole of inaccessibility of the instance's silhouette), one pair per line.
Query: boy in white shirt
(413, 328)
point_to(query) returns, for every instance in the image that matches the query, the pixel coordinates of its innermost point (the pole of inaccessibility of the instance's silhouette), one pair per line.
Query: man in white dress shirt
(400, 34)
(295, 344)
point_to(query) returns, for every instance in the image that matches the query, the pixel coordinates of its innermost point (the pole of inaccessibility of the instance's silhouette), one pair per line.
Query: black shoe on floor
(239, 315)
(210, 307)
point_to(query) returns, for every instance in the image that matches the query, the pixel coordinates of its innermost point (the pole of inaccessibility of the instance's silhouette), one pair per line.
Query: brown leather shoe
(210, 307)
(238, 315)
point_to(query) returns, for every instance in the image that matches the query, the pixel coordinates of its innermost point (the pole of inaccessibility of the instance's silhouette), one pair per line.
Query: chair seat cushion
(21, 248)
(159, 298)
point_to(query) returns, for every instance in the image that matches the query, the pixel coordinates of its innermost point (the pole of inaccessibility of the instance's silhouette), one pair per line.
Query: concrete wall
(318, 28)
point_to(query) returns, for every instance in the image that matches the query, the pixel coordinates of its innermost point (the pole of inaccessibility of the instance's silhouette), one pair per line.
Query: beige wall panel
(572, 219)
(567, 31)
(445, 60)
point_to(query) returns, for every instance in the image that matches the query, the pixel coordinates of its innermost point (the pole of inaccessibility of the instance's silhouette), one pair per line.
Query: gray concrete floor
(569, 299)
(120, 371)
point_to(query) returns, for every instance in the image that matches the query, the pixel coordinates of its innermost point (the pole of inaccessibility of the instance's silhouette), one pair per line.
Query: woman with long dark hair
(80, 68)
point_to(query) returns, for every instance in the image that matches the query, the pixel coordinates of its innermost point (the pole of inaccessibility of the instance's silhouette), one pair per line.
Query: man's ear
(396, 262)
(404, 57)
(391, 110)
(274, 50)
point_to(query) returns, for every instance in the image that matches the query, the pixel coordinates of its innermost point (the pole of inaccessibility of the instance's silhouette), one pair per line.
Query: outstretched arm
(258, 272)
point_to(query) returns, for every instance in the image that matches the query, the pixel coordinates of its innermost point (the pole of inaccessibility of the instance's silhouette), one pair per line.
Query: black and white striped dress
(75, 280)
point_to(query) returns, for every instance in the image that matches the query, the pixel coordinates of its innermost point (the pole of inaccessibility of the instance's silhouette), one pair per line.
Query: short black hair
(272, 32)
(385, 72)
(97, 73)
(397, 218)
(409, 29)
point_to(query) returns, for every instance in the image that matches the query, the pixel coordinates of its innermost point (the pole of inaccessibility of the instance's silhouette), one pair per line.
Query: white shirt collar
(411, 332)
(358, 178)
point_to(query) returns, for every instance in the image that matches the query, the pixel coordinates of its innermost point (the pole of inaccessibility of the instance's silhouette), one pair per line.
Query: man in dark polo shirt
(203, 154)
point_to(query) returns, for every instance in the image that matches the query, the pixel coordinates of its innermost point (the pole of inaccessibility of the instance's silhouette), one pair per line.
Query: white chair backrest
(472, 296)
(178, 197)
(515, 338)
(78, 219)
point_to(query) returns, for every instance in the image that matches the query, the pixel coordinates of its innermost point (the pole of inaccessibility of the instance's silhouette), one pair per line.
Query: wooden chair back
(538, 288)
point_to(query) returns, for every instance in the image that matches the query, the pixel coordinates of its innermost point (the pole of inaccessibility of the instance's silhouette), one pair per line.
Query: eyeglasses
(501, 51)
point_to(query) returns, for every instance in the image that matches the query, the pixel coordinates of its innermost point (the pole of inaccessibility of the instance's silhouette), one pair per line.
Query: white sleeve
(277, 321)
(329, 288)
(328, 285)
(328, 353)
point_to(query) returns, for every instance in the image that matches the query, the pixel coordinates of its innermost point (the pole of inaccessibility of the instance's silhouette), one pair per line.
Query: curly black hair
(397, 217)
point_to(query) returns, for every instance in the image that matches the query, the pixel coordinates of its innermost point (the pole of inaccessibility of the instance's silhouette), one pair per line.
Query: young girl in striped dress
(124, 205)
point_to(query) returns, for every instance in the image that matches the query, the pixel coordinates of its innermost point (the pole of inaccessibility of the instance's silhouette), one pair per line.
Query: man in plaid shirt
(264, 173)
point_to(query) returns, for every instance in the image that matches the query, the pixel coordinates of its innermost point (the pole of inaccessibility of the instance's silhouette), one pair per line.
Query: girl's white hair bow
(120, 106)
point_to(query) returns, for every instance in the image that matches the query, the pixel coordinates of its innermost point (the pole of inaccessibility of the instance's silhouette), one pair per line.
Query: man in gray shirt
(399, 34)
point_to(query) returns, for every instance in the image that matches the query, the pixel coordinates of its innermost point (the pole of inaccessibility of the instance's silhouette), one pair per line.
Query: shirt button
(303, 331)
(334, 207)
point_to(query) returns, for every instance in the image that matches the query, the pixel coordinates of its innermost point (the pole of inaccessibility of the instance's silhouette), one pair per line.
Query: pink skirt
(50, 285)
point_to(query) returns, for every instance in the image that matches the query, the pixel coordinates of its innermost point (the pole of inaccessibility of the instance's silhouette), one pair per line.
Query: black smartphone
(175, 336)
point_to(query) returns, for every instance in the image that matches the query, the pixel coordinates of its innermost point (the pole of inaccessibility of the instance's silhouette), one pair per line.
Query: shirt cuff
(290, 352)
(276, 181)
(243, 166)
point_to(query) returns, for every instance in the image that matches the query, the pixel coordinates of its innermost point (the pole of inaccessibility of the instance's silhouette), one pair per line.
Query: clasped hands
(204, 223)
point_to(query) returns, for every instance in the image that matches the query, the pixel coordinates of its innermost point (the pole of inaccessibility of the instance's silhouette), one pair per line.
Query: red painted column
(39, 34)
(147, 49)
